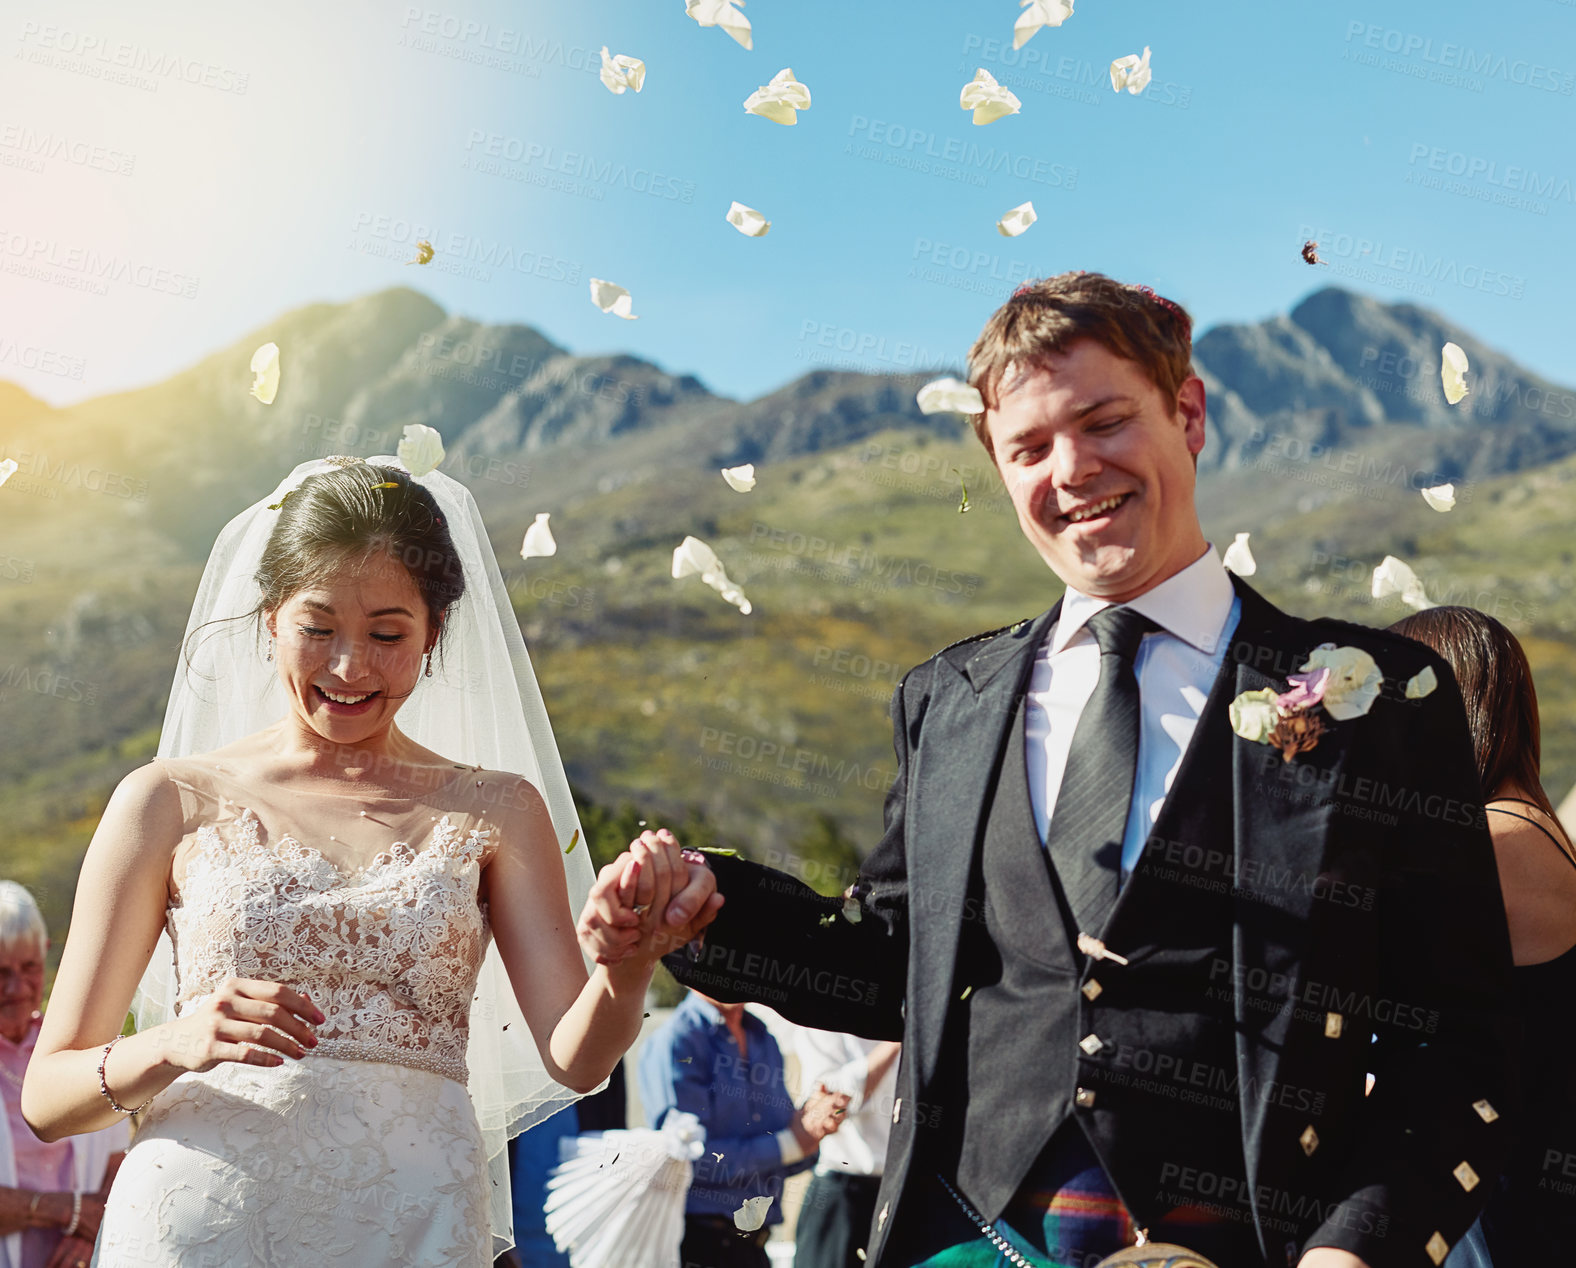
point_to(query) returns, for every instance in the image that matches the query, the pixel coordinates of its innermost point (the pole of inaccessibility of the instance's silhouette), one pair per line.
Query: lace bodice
(390, 952)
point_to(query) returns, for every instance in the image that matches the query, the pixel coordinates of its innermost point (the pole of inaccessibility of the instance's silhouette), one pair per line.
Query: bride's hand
(649, 901)
(240, 1013)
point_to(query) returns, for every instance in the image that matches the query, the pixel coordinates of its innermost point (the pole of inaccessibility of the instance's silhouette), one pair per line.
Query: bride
(359, 972)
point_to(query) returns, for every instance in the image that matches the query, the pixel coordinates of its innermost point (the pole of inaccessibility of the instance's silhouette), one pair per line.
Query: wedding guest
(51, 1195)
(1531, 1215)
(840, 1205)
(721, 1064)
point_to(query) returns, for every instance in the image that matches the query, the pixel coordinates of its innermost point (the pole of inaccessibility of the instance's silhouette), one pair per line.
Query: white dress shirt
(858, 1147)
(1197, 610)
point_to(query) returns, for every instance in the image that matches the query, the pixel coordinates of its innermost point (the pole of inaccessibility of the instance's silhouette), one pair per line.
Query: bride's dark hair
(342, 518)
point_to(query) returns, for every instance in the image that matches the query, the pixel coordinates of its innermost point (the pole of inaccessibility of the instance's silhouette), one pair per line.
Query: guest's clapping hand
(71, 1252)
(649, 901)
(821, 1114)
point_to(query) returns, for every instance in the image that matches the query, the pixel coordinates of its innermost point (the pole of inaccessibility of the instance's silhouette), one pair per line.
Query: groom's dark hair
(1045, 317)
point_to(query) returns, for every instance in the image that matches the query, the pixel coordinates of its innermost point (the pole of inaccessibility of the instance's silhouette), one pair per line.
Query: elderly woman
(51, 1195)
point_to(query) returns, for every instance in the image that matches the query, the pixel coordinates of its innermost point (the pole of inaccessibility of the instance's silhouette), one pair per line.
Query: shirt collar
(1193, 604)
(29, 1036)
(712, 1015)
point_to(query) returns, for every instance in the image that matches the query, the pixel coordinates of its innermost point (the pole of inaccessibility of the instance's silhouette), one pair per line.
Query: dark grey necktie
(1085, 836)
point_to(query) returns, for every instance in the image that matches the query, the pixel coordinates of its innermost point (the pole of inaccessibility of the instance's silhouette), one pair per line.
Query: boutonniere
(1335, 684)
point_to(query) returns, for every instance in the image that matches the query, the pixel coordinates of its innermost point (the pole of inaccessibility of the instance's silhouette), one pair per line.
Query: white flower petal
(612, 299)
(749, 1217)
(420, 449)
(852, 911)
(941, 396)
(987, 99)
(748, 221)
(1441, 497)
(1392, 576)
(1016, 220)
(1239, 558)
(1131, 72)
(7, 469)
(1453, 372)
(1038, 13)
(740, 479)
(693, 557)
(1422, 683)
(265, 373)
(539, 541)
(1354, 681)
(622, 72)
(779, 99)
(1253, 715)
(722, 13)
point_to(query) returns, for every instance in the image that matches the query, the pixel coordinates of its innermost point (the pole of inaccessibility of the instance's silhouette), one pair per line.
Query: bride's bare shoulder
(146, 810)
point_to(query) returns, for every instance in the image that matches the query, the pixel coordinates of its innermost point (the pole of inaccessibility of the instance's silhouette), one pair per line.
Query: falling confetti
(740, 479)
(749, 1217)
(1421, 683)
(1442, 497)
(420, 449)
(621, 73)
(265, 372)
(570, 849)
(692, 556)
(612, 299)
(7, 470)
(1238, 558)
(1310, 252)
(1131, 72)
(987, 99)
(539, 541)
(423, 253)
(723, 13)
(1038, 13)
(747, 220)
(1453, 372)
(779, 100)
(942, 396)
(1016, 220)
(1392, 576)
(852, 911)
(963, 506)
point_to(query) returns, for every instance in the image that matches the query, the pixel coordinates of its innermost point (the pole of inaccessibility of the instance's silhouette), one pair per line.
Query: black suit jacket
(1363, 883)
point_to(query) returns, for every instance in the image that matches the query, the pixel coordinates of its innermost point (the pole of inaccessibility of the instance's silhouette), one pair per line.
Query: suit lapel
(951, 780)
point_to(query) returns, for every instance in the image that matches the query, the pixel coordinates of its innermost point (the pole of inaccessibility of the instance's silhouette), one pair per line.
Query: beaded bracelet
(104, 1087)
(76, 1216)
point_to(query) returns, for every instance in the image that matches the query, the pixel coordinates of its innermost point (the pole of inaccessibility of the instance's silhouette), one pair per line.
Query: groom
(1142, 933)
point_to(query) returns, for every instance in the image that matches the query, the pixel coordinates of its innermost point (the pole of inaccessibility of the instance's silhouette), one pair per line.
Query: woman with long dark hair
(1532, 1218)
(355, 939)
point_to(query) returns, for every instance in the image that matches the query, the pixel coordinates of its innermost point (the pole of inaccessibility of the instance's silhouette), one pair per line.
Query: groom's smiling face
(349, 647)
(1100, 468)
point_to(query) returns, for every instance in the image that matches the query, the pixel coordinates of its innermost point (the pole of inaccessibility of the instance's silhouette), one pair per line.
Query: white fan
(616, 1199)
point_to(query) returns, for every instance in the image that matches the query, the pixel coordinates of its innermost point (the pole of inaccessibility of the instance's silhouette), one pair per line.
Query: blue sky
(224, 165)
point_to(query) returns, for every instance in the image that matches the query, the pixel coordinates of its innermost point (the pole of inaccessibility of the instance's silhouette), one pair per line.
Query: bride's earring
(429, 664)
(270, 647)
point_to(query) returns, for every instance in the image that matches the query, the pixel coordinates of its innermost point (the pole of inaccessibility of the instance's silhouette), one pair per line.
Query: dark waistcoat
(1142, 1056)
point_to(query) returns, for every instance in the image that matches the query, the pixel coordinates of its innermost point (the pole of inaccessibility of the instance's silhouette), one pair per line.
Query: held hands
(649, 901)
(240, 1013)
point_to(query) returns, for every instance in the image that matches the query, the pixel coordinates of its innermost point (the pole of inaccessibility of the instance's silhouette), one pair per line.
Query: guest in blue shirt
(721, 1064)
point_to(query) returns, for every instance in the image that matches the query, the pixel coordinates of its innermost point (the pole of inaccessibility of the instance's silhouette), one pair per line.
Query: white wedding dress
(367, 1150)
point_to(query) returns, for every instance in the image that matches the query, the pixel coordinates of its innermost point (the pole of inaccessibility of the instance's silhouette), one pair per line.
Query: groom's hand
(650, 900)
